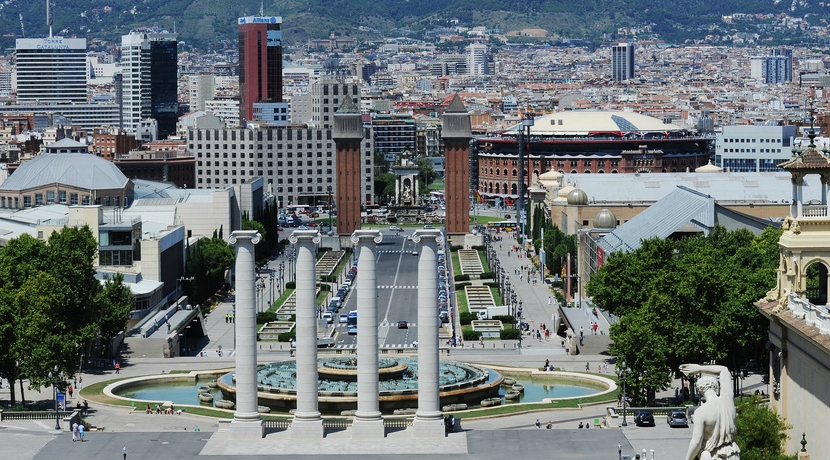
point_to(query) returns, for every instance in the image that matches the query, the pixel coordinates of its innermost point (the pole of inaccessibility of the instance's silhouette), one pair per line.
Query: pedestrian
(124, 451)
(538, 424)
(80, 383)
(69, 390)
(605, 368)
(117, 367)
(587, 367)
(549, 425)
(549, 300)
(81, 431)
(75, 431)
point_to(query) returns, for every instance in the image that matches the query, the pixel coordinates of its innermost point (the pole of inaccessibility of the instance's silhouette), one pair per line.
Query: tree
(115, 301)
(207, 261)
(687, 300)
(760, 432)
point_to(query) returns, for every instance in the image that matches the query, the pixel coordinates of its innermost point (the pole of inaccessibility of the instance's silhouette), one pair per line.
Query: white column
(428, 419)
(247, 423)
(307, 423)
(368, 423)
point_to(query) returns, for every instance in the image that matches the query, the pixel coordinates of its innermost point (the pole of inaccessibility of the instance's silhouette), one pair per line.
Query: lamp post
(271, 302)
(622, 373)
(179, 286)
(519, 322)
(56, 378)
(527, 123)
(329, 206)
(282, 279)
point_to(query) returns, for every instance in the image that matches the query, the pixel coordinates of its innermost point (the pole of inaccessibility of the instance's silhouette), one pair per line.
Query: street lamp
(622, 373)
(56, 378)
(619, 451)
(271, 276)
(527, 123)
(282, 279)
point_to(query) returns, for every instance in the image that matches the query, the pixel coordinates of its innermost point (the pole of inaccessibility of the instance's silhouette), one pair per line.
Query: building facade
(260, 62)
(51, 70)
(297, 163)
(149, 80)
(754, 148)
(622, 61)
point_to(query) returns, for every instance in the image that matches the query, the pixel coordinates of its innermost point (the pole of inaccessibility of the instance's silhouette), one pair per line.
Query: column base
(428, 428)
(368, 428)
(248, 430)
(309, 429)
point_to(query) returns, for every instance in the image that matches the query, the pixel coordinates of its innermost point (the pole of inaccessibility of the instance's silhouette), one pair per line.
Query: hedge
(492, 284)
(471, 335)
(455, 248)
(504, 318)
(286, 336)
(266, 317)
(291, 285)
(462, 277)
(460, 286)
(510, 334)
(487, 276)
(466, 318)
(478, 247)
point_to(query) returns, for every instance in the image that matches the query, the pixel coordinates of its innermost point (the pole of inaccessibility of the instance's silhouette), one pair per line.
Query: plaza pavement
(175, 436)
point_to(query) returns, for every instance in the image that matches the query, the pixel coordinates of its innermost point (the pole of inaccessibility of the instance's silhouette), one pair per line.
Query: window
(73, 199)
(61, 197)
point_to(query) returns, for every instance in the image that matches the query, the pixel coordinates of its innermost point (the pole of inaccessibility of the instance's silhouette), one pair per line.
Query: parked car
(403, 325)
(644, 418)
(344, 318)
(677, 418)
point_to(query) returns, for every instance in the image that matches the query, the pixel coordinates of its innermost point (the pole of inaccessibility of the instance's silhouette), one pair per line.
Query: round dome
(577, 197)
(708, 168)
(605, 219)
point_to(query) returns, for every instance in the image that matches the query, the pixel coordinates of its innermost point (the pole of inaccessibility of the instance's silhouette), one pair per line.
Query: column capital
(240, 235)
(428, 234)
(304, 236)
(359, 235)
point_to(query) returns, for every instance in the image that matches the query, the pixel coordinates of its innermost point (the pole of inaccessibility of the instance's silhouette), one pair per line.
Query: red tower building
(347, 135)
(260, 63)
(457, 133)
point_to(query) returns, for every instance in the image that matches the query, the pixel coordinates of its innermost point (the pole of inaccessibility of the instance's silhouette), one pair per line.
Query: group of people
(449, 424)
(539, 425)
(160, 410)
(230, 318)
(78, 432)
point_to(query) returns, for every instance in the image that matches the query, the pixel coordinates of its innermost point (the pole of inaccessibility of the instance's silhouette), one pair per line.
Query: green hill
(209, 23)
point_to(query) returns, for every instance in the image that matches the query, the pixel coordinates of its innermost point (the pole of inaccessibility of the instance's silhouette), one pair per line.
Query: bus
(502, 226)
(351, 322)
(299, 209)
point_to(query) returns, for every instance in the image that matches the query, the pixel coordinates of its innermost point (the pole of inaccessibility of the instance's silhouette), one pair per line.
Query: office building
(772, 69)
(622, 61)
(324, 97)
(394, 134)
(202, 88)
(149, 80)
(51, 70)
(478, 60)
(754, 148)
(260, 63)
(298, 163)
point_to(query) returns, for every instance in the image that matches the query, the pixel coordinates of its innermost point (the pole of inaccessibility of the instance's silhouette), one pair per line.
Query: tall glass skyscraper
(622, 61)
(51, 70)
(260, 63)
(149, 80)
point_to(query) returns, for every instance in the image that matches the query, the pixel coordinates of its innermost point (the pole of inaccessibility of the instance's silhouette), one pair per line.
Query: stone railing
(340, 423)
(814, 211)
(814, 315)
(32, 415)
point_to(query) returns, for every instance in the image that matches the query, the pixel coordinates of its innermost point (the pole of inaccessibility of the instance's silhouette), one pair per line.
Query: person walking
(549, 300)
(117, 367)
(81, 431)
(75, 431)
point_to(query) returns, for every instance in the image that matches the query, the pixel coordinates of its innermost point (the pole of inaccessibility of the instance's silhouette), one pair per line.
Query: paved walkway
(169, 436)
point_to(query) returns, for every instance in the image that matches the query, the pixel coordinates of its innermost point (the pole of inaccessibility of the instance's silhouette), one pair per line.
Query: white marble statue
(713, 435)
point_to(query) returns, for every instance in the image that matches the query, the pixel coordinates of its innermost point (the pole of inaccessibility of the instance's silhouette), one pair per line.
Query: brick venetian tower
(457, 133)
(348, 132)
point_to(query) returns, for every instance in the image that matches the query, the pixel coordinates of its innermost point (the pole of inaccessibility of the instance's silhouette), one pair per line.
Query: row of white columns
(368, 421)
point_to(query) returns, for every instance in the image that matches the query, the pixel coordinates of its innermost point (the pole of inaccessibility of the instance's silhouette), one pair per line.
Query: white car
(394, 228)
(344, 318)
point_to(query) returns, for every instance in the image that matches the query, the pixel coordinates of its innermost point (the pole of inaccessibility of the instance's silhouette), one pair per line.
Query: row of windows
(241, 172)
(754, 140)
(74, 199)
(259, 164)
(751, 150)
(269, 154)
(290, 134)
(259, 146)
(308, 189)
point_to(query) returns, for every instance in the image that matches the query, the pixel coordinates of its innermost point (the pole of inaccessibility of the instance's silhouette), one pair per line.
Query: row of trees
(687, 301)
(52, 308)
(557, 244)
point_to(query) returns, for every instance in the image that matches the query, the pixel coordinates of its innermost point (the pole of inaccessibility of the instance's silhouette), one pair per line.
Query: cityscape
(262, 211)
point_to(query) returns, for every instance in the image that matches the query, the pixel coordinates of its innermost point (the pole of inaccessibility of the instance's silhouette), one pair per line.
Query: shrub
(510, 334)
(471, 335)
(455, 248)
(466, 317)
(478, 247)
(291, 285)
(286, 336)
(266, 317)
(460, 286)
(487, 276)
(462, 277)
(492, 284)
(507, 319)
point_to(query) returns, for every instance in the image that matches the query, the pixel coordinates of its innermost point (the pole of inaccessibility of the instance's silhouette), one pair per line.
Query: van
(328, 317)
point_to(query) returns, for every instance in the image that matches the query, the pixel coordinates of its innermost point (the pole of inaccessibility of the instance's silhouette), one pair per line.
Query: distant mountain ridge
(210, 23)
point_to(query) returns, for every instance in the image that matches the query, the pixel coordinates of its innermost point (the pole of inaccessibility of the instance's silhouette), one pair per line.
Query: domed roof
(81, 170)
(562, 193)
(577, 197)
(550, 177)
(587, 122)
(708, 168)
(605, 219)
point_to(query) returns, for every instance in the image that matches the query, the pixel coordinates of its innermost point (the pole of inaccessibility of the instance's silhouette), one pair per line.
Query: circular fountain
(459, 383)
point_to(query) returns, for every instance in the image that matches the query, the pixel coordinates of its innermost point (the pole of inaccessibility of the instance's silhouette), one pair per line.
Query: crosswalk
(395, 286)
